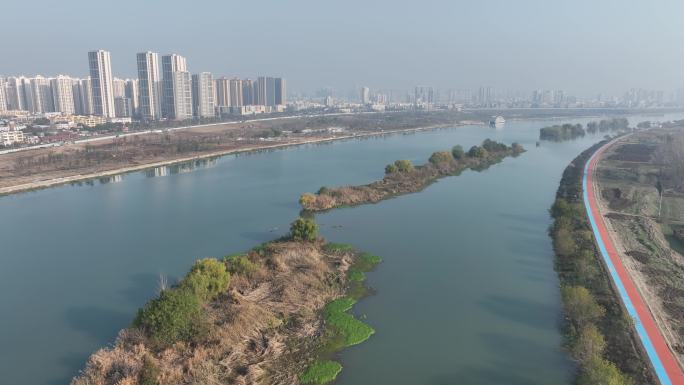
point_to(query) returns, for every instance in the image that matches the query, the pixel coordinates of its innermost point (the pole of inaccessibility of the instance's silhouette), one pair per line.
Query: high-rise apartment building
(119, 87)
(149, 85)
(3, 93)
(424, 95)
(131, 91)
(222, 92)
(236, 93)
(14, 94)
(63, 94)
(203, 95)
(177, 84)
(248, 92)
(182, 96)
(365, 95)
(83, 97)
(280, 92)
(270, 91)
(123, 107)
(41, 94)
(100, 63)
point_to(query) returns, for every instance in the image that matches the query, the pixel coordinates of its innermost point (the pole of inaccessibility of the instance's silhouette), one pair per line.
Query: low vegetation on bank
(273, 315)
(402, 177)
(597, 329)
(559, 133)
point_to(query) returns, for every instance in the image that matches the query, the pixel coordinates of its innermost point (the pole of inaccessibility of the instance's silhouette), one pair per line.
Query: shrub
(477, 152)
(149, 373)
(580, 305)
(207, 279)
(493, 146)
(176, 315)
(404, 165)
(457, 152)
(241, 265)
(517, 147)
(307, 199)
(441, 157)
(598, 371)
(304, 229)
(391, 168)
(323, 190)
(588, 344)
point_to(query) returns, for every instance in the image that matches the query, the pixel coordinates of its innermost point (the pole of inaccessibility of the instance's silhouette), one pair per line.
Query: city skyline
(343, 48)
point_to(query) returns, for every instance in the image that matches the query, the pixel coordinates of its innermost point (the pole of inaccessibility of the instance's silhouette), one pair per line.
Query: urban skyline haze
(519, 45)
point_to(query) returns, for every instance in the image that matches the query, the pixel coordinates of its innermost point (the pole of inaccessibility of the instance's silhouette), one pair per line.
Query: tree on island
(391, 168)
(477, 152)
(304, 229)
(404, 165)
(457, 152)
(441, 157)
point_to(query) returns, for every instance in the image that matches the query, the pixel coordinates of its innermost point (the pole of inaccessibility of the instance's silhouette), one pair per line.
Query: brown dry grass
(263, 330)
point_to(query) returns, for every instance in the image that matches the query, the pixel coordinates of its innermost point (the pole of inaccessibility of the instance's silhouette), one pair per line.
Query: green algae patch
(343, 328)
(356, 275)
(321, 372)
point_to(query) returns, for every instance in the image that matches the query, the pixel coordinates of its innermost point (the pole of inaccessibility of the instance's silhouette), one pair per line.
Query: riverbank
(41, 184)
(402, 177)
(647, 273)
(598, 332)
(273, 315)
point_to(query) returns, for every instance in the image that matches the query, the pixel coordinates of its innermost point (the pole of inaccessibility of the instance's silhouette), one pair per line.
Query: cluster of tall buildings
(164, 89)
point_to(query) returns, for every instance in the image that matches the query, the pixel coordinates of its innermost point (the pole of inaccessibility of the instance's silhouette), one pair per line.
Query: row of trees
(457, 153)
(580, 275)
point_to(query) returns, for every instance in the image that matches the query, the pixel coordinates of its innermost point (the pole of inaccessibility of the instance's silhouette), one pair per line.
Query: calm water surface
(466, 294)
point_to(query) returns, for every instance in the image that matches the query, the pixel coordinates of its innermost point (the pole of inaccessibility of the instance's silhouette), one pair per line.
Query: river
(466, 293)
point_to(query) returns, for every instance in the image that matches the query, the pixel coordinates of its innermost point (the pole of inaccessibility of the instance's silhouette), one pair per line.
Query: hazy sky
(583, 46)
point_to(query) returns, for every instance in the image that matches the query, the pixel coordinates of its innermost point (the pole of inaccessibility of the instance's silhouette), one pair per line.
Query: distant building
(119, 87)
(123, 106)
(280, 92)
(177, 88)
(365, 95)
(222, 92)
(203, 95)
(182, 96)
(132, 92)
(63, 94)
(8, 138)
(100, 64)
(3, 97)
(41, 96)
(424, 95)
(149, 85)
(83, 97)
(236, 93)
(248, 92)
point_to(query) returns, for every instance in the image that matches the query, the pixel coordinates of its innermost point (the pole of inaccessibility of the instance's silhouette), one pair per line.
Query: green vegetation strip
(342, 329)
(597, 331)
(321, 372)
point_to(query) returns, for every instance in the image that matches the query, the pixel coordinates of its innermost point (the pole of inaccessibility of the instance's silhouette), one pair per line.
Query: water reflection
(181, 168)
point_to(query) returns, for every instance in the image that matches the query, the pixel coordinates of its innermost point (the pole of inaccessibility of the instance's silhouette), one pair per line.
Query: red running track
(663, 361)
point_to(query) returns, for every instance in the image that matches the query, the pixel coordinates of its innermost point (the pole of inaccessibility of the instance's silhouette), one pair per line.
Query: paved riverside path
(661, 357)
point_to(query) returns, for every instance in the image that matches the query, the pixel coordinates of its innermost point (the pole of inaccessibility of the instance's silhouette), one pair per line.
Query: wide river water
(466, 293)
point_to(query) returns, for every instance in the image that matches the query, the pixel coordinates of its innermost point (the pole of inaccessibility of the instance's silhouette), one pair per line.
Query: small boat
(497, 121)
